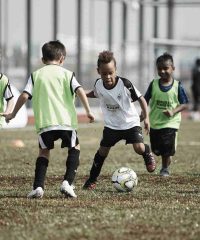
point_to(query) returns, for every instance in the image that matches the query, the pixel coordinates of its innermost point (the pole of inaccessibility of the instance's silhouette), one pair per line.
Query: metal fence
(87, 27)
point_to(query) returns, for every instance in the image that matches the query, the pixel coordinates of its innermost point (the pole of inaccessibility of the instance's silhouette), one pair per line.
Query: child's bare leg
(166, 160)
(144, 150)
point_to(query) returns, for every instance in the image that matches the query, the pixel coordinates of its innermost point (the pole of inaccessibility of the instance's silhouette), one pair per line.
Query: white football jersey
(117, 104)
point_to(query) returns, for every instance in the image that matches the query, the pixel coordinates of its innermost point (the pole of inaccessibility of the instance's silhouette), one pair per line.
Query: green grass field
(158, 208)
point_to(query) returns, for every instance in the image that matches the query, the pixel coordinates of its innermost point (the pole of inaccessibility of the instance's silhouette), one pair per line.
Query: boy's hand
(168, 113)
(146, 126)
(4, 114)
(91, 117)
(8, 116)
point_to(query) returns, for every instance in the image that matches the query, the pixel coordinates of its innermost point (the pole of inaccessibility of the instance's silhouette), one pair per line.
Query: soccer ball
(124, 179)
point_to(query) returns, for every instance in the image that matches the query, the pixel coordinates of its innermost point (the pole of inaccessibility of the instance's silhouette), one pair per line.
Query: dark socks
(96, 167)
(72, 164)
(146, 151)
(40, 172)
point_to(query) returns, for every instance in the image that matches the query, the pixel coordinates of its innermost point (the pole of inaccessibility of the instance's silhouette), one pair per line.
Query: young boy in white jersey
(167, 98)
(52, 89)
(5, 93)
(121, 120)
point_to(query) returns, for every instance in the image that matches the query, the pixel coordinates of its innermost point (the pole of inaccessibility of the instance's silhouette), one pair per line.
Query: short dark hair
(53, 50)
(165, 57)
(105, 57)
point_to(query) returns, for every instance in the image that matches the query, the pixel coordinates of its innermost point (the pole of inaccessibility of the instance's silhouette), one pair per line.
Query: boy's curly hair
(105, 57)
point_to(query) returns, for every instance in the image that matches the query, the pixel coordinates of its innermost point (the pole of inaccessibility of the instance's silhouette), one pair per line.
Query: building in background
(127, 27)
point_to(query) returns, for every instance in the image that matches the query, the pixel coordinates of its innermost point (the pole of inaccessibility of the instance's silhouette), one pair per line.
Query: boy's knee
(104, 151)
(44, 153)
(77, 147)
(139, 148)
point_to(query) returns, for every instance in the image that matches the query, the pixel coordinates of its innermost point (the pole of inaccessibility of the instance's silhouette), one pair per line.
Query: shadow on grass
(189, 192)
(12, 196)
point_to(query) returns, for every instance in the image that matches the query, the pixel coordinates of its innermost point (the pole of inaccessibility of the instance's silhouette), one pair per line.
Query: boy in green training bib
(166, 98)
(52, 89)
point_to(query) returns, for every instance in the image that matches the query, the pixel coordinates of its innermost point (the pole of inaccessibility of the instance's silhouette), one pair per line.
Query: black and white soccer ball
(124, 179)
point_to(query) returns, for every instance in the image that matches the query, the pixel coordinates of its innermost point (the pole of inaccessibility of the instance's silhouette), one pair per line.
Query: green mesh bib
(161, 101)
(53, 98)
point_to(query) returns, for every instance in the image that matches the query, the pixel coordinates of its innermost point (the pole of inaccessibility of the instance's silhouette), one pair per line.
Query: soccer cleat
(36, 193)
(164, 172)
(150, 162)
(67, 190)
(89, 185)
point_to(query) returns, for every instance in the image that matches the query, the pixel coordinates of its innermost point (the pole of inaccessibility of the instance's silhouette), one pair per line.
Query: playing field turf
(158, 208)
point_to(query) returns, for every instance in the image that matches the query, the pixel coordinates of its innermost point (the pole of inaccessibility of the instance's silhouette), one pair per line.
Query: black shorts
(68, 137)
(112, 136)
(163, 141)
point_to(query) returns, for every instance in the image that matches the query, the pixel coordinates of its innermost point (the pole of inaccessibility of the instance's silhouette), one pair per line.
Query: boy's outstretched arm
(145, 115)
(81, 94)
(20, 102)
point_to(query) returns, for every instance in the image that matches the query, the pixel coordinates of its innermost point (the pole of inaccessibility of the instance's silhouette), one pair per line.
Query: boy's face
(165, 70)
(107, 71)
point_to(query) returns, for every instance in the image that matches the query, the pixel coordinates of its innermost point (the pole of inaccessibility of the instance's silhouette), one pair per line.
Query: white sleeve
(138, 93)
(29, 86)
(8, 93)
(75, 84)
(97, 86)
(95, 92)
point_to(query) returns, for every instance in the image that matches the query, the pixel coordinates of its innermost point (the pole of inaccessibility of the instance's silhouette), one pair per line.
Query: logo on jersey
(112, 108)
(163, 104)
